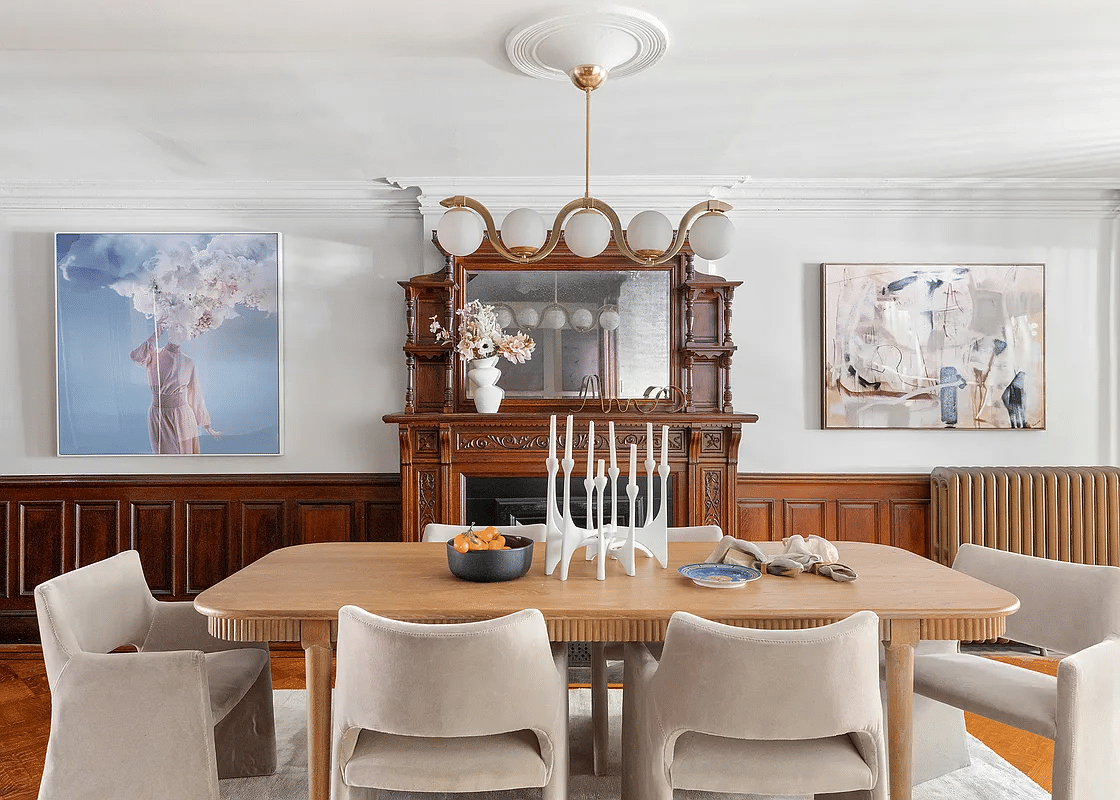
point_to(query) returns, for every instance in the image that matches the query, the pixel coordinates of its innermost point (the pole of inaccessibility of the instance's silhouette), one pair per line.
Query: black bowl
(487, 566)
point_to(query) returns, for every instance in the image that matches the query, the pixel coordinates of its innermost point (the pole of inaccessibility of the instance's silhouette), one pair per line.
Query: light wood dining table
(294, 594)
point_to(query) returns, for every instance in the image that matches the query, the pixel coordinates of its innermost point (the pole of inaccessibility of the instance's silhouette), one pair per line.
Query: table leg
(900, 705)
(315, 636)
(600, 721)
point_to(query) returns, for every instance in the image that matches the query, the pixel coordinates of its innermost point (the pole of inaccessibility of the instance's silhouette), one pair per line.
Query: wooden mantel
(440, 450)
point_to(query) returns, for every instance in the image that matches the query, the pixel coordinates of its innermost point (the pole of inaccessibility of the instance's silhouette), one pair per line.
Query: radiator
(1063, 513)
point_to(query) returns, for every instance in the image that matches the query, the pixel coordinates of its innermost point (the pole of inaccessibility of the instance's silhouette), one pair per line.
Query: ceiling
(357, 90)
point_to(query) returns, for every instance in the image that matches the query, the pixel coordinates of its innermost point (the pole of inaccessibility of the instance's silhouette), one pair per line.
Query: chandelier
(586, 47)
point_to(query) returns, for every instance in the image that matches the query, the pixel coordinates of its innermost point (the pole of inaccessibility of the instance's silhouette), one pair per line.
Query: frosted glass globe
(528, 317)
(609, 319)
(581, 319)
(712, 236)
(459, 231)
(523, 231)
(504, 316)
(650, 233)
(587, 233)
(554, 317)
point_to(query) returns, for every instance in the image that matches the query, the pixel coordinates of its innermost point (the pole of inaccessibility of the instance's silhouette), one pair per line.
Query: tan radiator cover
(1063, 513)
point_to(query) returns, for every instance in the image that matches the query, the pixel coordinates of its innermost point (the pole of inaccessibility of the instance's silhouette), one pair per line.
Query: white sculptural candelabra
(600, 536)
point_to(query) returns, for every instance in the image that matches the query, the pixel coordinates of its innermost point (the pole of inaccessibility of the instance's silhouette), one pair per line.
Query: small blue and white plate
(719, 576)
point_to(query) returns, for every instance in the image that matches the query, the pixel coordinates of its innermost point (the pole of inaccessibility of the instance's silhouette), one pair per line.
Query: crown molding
(364, 198)
(975, 198)
(404, 197)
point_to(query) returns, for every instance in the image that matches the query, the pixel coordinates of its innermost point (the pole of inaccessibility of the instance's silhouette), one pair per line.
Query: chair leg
(600, 719)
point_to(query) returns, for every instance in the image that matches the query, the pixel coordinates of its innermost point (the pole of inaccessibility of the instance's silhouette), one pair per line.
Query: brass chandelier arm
(679, 237)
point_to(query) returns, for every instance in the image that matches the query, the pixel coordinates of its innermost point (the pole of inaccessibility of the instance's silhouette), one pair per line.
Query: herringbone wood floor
(25, 712)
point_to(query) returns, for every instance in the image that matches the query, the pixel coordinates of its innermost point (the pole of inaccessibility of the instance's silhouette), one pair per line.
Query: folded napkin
(799, 555)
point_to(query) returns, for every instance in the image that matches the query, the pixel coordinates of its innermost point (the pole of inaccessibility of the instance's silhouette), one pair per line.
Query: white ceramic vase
(484, 376)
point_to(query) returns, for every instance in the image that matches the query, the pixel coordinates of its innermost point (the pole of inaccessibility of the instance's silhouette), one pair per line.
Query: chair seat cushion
(1013, 695)
(721, 764)
(451, 764)
(231, 673)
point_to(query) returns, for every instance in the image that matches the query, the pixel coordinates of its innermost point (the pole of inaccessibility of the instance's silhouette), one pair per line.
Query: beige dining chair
(740, 710)
(457, 707)
(440, 532)
(1064, 607)
(165, 721)
(602, 652)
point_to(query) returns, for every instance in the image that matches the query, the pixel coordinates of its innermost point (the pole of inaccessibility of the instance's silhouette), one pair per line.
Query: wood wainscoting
(193, 530)
(885, 509)
(190, 530)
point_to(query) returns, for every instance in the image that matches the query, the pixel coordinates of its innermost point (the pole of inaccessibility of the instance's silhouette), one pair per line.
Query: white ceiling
(353, 90)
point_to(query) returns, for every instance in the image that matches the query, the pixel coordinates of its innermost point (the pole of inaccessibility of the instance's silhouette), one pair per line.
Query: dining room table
(293, 594)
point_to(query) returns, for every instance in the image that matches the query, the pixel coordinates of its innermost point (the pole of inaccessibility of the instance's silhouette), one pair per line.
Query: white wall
(344, 327)
(777, 370)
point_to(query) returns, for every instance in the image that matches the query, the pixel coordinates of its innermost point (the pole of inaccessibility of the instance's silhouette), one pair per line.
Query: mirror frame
(700, 345)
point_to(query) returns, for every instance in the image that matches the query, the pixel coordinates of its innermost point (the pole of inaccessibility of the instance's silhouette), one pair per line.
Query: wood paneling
(191, 530)
(884, 509)
(96, 524)
(40, 545)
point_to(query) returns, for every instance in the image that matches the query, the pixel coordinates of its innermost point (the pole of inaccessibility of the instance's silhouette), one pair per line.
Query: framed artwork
(168, 343)
(933, 346)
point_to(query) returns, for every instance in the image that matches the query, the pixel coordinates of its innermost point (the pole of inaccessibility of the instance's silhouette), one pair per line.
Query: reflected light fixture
(586, 47)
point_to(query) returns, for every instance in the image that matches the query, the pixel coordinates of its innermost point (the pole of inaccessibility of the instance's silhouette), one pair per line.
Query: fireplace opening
(522, 501)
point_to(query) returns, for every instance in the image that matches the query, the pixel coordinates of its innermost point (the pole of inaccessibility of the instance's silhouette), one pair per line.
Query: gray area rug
(989, 777)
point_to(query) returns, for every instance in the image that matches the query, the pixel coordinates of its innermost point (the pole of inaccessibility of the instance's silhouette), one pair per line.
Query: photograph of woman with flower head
(163, 336)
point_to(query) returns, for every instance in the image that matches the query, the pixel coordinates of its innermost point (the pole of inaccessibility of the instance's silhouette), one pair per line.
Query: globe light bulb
(712, 236)
(523, 231)
(459, 231)
(587, 233)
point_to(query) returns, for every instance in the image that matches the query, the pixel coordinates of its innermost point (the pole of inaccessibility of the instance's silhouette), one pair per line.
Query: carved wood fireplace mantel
(654, 342)
(440, 452)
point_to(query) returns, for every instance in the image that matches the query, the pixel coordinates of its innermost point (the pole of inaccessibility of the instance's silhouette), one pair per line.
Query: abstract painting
(168, 343)
(957, 346)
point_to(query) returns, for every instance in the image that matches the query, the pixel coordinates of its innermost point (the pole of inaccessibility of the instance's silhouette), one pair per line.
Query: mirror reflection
(610, 328)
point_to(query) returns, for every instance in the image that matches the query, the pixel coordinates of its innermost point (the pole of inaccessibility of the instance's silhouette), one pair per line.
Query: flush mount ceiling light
(586, 47)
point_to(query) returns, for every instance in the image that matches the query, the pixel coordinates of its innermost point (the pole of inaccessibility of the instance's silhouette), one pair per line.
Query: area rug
(989, 777)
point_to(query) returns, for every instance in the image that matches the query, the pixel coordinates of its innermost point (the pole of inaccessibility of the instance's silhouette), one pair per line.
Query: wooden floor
(25, 712)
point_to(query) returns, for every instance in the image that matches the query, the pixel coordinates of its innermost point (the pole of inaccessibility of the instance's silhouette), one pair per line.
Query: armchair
(1064, 607)
(166, 721)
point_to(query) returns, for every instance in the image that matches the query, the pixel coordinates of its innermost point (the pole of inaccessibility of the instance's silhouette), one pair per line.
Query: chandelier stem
(587, 143)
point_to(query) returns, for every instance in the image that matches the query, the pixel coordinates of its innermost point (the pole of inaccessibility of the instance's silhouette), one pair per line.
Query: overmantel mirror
(609, 334)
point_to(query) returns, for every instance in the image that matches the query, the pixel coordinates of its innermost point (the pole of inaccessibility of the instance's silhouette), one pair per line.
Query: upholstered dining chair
(166, 721)
(729, 709)
(457, 707)
(440, 532)
(1064, 607)
(602, 652)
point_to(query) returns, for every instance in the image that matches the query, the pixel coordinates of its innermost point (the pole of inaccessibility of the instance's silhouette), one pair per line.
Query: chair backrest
(761, 684)
(439, 532)
(93, 609)
(1062, 606)
(456, 679)
(695, 533)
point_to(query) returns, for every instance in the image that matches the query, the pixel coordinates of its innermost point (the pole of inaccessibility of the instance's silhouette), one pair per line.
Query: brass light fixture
(625, 41)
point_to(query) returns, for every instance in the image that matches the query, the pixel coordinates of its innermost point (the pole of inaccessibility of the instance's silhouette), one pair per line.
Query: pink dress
(177, 408)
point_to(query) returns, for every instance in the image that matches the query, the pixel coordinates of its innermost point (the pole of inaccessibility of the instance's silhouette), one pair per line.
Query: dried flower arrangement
(480, 335)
